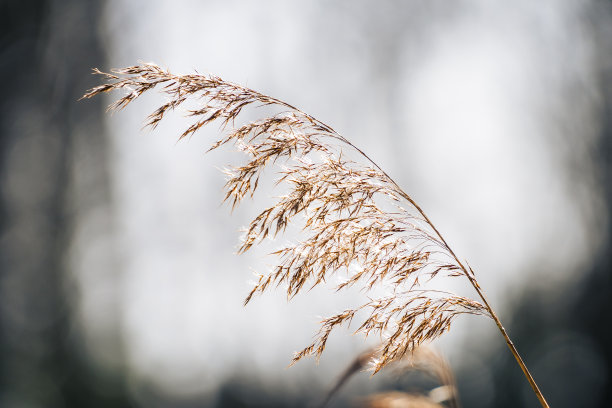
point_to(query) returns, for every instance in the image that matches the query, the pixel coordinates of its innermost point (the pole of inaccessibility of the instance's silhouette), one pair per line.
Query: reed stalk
(356, 217)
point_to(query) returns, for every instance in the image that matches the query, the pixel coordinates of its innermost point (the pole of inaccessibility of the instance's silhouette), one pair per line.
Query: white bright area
(482, 111)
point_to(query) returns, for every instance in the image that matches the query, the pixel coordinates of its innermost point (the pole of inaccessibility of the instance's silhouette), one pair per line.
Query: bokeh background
(118, 280)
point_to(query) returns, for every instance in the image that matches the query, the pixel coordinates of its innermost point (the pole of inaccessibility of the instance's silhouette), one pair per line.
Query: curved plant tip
(357, 220)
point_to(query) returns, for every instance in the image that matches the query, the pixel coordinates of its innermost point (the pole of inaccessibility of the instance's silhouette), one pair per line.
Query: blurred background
(119, 285)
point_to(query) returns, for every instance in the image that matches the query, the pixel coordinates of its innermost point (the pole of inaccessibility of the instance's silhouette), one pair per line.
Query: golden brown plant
(357, 218)
(358, 364)
(427, 360)
(423, 359)
(398, 399)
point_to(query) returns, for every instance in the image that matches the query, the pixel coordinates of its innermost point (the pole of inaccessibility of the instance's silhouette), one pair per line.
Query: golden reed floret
(423, 359)
(346, 207)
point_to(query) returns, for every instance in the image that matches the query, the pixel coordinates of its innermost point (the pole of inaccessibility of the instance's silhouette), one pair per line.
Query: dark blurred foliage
(566, 337)
(44, 48)
(569, 337)
(47, 49)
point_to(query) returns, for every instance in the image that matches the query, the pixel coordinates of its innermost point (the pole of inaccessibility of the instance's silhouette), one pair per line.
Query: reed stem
(325, 191)
(470, 275)
(510, 344)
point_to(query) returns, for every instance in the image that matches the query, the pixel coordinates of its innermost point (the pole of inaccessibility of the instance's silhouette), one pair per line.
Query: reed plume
(357, 218)
(423, 359)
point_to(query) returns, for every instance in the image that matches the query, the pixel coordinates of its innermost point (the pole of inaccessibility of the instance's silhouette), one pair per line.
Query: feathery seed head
(353, 213)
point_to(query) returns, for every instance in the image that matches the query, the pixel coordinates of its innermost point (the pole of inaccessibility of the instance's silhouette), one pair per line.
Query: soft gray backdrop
(491, 115)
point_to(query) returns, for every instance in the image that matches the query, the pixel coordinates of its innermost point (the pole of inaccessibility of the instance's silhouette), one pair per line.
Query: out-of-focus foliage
(45, 138)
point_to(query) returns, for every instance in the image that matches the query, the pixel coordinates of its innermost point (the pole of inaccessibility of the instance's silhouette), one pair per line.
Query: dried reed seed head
(395, 399)
(424, 359)
(355, 216)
